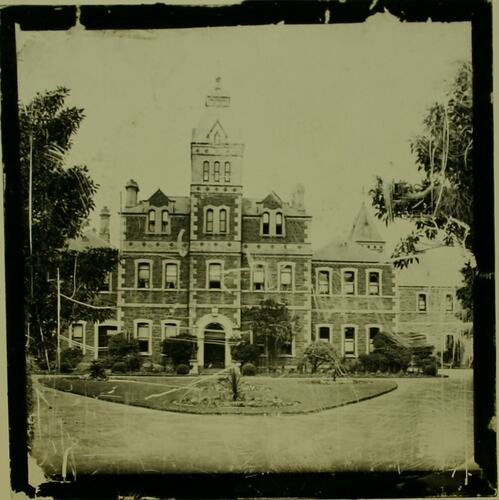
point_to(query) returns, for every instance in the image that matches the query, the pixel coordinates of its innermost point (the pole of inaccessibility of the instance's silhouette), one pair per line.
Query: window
(286, 277)
(144, 275)
(171, 276)
(372, 331)
(164, 221)
(323, 282)
(449, 302)
(170, 329)
(373, 285)
(209, 220)
(223, 220)
(216, 172)
(266, 223)
(151, 221)
(325, 333)
(77, 332)
(285, 348)
(206, 171)
(349, 282)
(227, 171)
(422, 302)
(143, 335)
(215, 276)
(278, 224)
(259, 277)
(349, 341)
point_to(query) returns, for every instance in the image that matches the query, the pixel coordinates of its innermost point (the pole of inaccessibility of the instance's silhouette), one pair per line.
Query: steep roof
(158, 199)
(182, 204)
(364, 228)
(347, 251)
(89, 239)
(254, 207)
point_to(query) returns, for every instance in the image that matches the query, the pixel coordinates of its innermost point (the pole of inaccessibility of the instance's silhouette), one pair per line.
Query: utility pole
(58, 322)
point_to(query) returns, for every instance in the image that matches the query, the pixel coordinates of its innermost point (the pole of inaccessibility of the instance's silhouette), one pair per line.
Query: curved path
(426, 424)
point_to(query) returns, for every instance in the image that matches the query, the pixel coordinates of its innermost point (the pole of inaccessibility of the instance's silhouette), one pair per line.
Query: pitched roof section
(158, 199)
(181, 204)
(89, 239)
(437, 267)
(347, 251)
(364, 229)
(253, 207)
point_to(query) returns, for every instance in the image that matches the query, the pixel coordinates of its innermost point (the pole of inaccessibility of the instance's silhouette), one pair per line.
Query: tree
(441, 204)
(272, 326)
(57, 200)
(319, 353)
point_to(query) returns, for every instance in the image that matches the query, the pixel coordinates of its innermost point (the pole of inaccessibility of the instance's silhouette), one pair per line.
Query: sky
(329, 106)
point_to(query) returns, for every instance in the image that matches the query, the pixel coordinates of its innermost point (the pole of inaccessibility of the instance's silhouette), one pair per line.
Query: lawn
(261, 395)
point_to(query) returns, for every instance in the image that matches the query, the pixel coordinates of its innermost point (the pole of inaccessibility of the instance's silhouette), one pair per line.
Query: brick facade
(214, 243)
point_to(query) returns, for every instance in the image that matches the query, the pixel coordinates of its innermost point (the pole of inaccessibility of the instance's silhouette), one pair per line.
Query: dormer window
(206, 171)
(164, 221)
(278, 224)
(227, 171)
(216, 171)
(209, 220)
(266, 223)
(151, 221)
(223, 220)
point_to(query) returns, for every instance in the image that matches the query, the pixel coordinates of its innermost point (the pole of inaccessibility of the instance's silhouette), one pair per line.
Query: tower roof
(364, 229)
(217, 124)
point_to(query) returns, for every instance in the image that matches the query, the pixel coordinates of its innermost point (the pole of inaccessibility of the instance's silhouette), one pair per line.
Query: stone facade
(194, 263)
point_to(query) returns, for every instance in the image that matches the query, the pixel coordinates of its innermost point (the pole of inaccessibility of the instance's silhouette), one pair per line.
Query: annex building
(193, 263)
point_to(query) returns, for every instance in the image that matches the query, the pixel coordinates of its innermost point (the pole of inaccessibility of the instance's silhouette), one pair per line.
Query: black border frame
(253, 12)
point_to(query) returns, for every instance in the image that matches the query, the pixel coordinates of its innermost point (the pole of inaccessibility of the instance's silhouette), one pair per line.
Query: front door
(214, 346)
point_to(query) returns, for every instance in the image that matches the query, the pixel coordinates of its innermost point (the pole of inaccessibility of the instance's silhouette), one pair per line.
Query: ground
(426, 424)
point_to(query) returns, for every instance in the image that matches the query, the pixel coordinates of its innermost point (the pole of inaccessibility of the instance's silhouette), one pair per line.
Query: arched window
(164, 221)
(206, 171)
(223, 220)
(209, 220)
(151, 221)
(278, 223)
(227, 171)
(265, 223)
(216, 171)
(286, 278)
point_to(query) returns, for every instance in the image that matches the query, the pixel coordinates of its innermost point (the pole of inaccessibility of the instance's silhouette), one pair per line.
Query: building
(194, 263)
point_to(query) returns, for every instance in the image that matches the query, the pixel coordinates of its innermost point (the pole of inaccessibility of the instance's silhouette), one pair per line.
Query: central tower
(215, 227)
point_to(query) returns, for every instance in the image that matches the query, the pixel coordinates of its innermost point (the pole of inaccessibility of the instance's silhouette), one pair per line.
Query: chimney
(298, 197)
(132, 188)
(104, 224)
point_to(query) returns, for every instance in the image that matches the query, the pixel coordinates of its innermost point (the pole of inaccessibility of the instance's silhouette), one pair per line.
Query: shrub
(97, 370)
(121, 349)
(421, 356)
(70, 358)
(119, 367)
(430, 368)
(180, 349)
(373, 362)
(245, 352)
(319, 353)
(394, 356)
(182, 369)
(248, 369)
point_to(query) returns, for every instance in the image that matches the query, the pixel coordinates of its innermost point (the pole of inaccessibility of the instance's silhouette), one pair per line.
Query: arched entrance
(214, 346)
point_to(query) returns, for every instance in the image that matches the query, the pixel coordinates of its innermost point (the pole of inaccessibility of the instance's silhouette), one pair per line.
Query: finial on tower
(218, 79)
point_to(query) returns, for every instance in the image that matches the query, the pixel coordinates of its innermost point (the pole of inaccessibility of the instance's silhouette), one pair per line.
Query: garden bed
(207, 395)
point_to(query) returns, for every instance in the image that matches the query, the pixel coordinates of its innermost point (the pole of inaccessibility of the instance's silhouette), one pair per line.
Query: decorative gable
(217, 133)
(272, 201)
(159, 199)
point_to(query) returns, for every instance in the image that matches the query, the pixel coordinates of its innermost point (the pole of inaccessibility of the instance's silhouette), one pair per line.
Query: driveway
(425, 424)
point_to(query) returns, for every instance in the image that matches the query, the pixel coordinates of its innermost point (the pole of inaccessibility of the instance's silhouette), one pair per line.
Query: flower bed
(209, 395)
